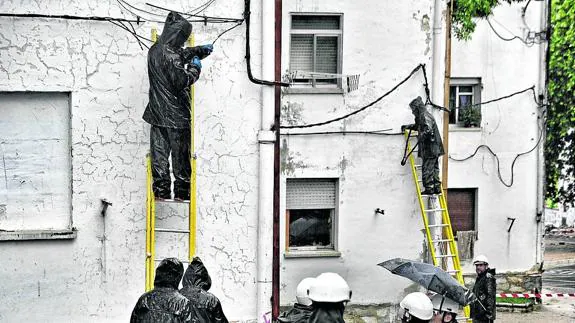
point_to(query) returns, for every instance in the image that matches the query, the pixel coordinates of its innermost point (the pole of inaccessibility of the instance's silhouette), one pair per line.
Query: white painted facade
(99, 275)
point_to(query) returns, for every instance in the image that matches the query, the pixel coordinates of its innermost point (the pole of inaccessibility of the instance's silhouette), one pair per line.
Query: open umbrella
(431, 277)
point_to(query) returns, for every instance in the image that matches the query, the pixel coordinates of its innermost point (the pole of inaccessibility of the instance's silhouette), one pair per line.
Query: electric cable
(203, 7)
(506, 39)
(360, 109)
(248, 55)
(367, 132)
(225, 31)
(206, 18)
(67, 17)
(539, 127)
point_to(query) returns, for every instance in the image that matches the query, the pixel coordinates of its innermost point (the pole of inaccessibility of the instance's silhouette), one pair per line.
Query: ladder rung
(182, 261)
(444, 256)
(441, 240)
(437, 225)
(171, 201)
(434, 210)
(452, 271)
(171, 230)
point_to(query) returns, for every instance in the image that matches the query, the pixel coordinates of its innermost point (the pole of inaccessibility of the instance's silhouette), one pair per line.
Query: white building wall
(383, 42)
(99, 275)
(508, 127)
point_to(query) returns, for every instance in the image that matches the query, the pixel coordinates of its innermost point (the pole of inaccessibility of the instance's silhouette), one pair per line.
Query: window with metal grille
(464, 94)
(310, 214)
(315, 50)
(461, 203)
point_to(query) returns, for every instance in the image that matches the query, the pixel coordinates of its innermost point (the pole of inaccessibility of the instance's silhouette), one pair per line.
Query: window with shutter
(310, 214)
(315, 50)
(464, 94)
(461, 203)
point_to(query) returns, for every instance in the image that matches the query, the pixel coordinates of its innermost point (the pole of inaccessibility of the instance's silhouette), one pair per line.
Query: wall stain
(288, 163)
(291, 113)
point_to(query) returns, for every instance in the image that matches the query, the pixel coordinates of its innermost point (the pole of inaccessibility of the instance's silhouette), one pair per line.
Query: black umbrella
(431, 277)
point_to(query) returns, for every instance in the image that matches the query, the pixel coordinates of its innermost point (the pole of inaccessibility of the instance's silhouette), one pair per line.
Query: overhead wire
(506, 39)
(206, 18)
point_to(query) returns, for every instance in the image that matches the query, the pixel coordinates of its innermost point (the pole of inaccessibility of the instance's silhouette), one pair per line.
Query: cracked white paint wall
(99, 275)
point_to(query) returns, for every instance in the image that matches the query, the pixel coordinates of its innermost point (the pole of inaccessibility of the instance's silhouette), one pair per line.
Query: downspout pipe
(276, 202)
(266, 141)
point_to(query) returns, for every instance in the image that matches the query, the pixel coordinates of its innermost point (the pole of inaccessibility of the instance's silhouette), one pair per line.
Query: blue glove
(196, 61)
(208, 48)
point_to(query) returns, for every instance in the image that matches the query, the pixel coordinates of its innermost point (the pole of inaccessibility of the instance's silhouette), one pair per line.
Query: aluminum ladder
(440, 240)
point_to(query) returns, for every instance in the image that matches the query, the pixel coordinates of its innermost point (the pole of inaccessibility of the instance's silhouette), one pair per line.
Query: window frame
(476, 89)
(312, 86)
(314, 251)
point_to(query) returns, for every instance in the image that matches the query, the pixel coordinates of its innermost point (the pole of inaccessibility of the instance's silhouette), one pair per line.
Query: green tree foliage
(560, 141)
(465, 13)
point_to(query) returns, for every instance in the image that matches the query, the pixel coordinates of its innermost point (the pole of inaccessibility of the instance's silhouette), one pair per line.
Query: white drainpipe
(266, 139)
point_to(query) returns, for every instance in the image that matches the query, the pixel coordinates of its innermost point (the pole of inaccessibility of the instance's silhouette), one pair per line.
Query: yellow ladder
(442, 248)
(151, 228)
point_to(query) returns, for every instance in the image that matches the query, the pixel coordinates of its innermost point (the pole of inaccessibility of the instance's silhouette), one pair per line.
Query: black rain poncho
(485, 289)
(171, 73)
(206, 307)
(163, 303)
(327, 313)
(298, 314)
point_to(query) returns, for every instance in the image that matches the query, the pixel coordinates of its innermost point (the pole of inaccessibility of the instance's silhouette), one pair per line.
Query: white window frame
(476, 88)
(314, 251)
(313, 86)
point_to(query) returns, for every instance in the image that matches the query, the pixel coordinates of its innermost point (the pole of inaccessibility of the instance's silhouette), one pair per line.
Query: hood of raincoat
(327, 313)
(169, 273)
(176, 30)
(197, 275)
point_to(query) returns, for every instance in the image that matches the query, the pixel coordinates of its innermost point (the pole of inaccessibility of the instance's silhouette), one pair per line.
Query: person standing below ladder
(171, 71)
(485, 288)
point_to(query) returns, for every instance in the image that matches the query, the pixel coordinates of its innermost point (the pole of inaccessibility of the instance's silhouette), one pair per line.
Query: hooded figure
(164, 303)
(329, 294)
(171, 71)
(206, 307)
(430, 146)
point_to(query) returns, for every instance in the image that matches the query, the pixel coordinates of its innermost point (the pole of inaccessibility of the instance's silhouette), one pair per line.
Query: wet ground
(559, 277)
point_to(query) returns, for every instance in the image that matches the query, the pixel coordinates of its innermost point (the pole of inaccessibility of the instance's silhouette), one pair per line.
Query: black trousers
(163, 142)
(430, 173)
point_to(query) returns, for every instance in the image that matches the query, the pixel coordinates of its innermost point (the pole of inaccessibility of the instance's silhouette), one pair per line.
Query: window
(462, 208)
(35, 186)
(464, 93)
(315, 50)
(310, 214)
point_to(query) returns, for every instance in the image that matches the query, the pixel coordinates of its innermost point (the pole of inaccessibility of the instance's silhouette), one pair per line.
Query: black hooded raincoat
(206, 307)
(327, 313)
(164, 303)
(298, 314)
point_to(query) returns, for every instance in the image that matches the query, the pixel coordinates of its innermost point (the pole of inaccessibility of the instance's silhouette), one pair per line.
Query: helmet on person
(481, 259)
(329, 288)
(444, 304)
(416, 305)
(302, 290)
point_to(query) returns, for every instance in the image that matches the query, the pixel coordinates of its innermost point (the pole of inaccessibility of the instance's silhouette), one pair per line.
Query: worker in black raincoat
(329, 294)
(302, 310)
(171, 71)
(164, 303)
(206, 307)
(430, 146)
(485, 288)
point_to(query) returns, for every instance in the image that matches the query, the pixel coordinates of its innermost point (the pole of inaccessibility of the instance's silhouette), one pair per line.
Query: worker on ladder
(429, 144)
(171, 71)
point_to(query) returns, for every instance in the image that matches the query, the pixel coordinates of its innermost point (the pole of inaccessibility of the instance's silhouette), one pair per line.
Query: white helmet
(418, 305)
(448, 305)
(480, 259)
(329, 288)
(302, 290)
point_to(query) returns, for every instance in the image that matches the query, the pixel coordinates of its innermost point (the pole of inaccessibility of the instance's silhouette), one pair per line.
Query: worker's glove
(196, 62)
(207, 49)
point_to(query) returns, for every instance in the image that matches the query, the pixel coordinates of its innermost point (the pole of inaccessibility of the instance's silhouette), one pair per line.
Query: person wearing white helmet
(416, 307)
(485, 288)
(301, 311)
(446, 308)
(329, 293)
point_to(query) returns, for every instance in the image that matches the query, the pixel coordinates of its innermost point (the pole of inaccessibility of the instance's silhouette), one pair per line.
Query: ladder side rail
(421, 204)
(193, 159)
